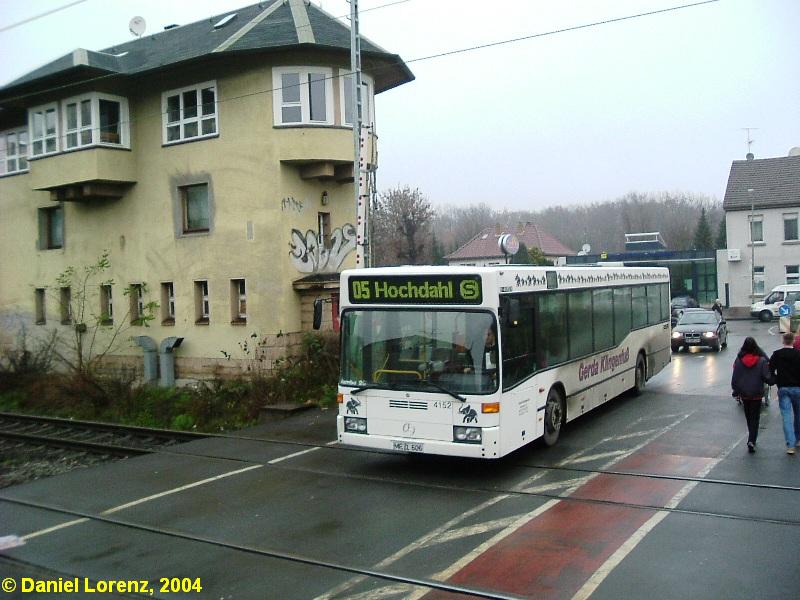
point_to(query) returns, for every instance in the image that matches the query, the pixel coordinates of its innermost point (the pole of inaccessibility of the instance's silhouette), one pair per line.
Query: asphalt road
(651, 497)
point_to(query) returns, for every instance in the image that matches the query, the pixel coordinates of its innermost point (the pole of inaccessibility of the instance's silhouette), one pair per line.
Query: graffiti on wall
(308, 255)
(291, 204)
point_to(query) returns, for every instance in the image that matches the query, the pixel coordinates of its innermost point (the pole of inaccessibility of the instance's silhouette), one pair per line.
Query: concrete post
(167, 360)
(150, 361)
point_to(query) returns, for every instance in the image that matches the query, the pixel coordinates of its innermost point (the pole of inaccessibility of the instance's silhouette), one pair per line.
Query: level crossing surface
(654, 496)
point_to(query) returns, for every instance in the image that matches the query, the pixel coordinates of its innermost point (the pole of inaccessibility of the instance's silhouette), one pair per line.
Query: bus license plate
(407, 446)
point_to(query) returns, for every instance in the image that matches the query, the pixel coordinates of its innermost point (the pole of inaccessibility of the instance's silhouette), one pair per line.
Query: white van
(768, 307)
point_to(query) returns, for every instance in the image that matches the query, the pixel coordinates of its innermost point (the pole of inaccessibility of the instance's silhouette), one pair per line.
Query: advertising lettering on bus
(603, 364)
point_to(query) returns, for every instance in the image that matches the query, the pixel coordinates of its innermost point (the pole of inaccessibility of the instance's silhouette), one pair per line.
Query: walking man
(784, 365)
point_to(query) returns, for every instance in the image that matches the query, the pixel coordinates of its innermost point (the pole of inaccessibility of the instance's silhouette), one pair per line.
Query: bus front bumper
(488, 448)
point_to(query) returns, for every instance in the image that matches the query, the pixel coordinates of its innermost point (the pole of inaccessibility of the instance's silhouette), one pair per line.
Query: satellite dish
(509, 244)
(795, 151)
(137, 26)
(586, 248)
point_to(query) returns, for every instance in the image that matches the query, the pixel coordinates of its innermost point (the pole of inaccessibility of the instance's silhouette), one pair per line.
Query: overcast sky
(649, 104)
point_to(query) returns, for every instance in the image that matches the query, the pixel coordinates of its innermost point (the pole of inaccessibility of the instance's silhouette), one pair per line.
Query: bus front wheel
(554, 413)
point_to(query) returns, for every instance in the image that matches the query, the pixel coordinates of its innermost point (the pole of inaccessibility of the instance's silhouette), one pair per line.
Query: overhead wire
(345, 73)
(40, 15)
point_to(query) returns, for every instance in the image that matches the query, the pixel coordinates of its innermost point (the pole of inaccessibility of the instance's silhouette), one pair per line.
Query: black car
(679, 304)
(700, 327)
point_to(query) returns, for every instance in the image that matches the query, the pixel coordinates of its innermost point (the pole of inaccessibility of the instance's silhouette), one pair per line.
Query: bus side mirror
(512, 315)
(317, 313)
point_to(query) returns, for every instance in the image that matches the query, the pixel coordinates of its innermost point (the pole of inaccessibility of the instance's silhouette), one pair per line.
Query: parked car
(680, 304)
(700, 327)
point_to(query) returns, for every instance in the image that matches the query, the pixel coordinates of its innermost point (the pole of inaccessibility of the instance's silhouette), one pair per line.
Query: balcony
(322, 153)
(90, 174)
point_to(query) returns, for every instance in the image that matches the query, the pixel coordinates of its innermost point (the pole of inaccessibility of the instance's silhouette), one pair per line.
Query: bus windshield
(421, 350)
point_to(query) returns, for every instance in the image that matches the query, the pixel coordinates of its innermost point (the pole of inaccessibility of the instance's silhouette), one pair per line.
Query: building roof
(268, 26)
(775, 183)
(484, 245)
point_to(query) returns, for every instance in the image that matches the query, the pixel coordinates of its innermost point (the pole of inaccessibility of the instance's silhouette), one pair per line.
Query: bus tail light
(339, 398)
(467, 435)
(490, 407)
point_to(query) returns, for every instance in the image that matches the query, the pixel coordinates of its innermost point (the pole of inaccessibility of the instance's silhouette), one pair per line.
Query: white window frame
(305, 101)
(752, 219)
(20, 158)
(32, 140)
(107, 303)
(792, 274)
(345, 91)
(758, 280)
(238, 300)
(202, 303)
(791, 217)
(183, 121)
(93, 126)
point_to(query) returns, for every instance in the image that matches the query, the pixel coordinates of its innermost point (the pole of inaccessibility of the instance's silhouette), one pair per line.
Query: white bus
(479, 361)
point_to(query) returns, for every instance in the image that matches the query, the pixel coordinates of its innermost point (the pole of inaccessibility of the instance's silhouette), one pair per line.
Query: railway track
(35, 446)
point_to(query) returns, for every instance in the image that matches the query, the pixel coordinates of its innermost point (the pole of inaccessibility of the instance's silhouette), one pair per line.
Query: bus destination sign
(415, 289)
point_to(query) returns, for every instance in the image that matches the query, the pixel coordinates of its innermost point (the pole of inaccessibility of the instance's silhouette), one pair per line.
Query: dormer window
(302, 95)
(95, 119)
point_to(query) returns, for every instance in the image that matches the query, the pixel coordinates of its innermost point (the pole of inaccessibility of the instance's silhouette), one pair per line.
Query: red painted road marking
(554, 554)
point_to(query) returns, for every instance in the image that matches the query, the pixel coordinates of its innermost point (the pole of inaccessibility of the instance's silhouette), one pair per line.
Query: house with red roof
(484, 249)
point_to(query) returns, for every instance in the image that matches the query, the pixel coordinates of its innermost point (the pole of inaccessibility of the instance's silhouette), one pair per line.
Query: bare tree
(402, 227)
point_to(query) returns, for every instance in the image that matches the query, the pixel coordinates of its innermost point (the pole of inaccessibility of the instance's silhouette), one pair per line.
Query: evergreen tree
(522, 257)
(722, 235)
(702, 235)
(538, 257)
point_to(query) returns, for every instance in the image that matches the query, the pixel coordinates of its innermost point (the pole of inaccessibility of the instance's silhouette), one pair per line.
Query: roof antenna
(749, 155)
(137, 26)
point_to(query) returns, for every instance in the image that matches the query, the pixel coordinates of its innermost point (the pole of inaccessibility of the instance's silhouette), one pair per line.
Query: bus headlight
(355, 425)
(467, 435)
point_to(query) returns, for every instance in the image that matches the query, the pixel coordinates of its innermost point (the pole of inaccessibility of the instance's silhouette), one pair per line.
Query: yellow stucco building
(214, 163)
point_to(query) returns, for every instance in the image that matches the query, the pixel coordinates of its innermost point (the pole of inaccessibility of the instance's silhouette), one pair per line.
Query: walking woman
(750, 373)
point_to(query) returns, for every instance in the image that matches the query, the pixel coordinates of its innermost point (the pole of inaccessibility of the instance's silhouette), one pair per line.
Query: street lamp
(752, 246)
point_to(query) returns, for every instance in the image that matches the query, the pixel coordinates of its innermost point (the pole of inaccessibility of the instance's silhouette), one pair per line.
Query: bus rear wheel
(639, 376)
(554, 413)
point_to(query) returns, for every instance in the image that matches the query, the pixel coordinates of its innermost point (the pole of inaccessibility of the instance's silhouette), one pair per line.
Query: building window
(790, 227)
(792, 274)
(13, 151)
(40, 303)
(190, 113)
(194, 208)
(238, 301)
(201, 305)
(324, 229)
(51, 228)
(758, 281)
(302, 95)
(66, 306)
(106, 305)
(756, 229)
(167, 303)
(43, 127)
(136, 293)
(95, 119)
(346, 94)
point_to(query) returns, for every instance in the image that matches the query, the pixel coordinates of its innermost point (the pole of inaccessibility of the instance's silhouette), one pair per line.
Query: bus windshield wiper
(372, 386)
(441, 388)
